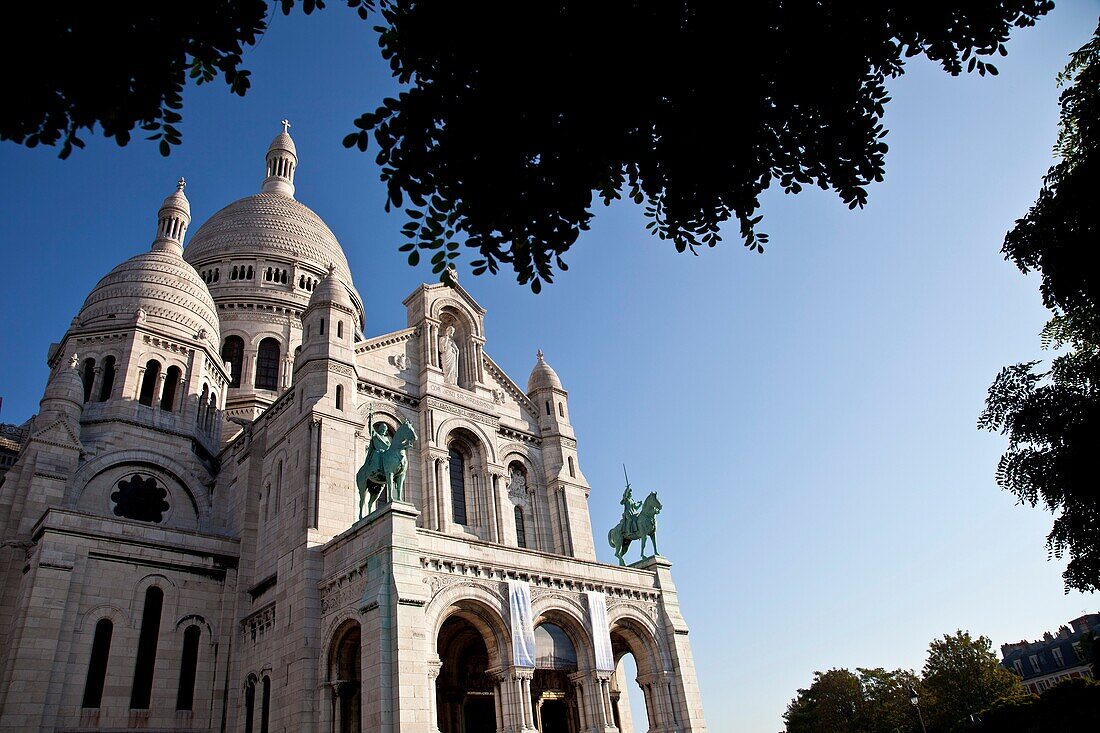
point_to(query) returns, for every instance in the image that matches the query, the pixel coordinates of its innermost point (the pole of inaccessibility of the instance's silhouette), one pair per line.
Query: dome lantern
(282, 160)
(172, 221)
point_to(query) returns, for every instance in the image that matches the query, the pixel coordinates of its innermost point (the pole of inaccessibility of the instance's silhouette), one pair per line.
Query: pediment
(59, 434)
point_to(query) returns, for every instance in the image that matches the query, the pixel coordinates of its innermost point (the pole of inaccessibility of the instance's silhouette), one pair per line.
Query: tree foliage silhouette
(518, 117)
(1052, 417)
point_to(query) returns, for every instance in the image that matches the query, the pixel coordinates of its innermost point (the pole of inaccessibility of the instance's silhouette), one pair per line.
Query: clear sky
(807, 415)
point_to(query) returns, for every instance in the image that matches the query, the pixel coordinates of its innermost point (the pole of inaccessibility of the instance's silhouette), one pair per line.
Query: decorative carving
(401, 361)
(258, 624)
(344, 591)
(499, 396)
(517, 485)
(462, 412)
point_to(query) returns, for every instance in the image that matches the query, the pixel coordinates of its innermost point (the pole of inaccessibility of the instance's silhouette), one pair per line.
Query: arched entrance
(465, 691)
(345, 678)
(553, 691)
(640, 700)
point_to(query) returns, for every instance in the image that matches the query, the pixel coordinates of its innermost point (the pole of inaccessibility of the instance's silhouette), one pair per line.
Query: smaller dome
(283, 141)
(331, 290)
(177, 201)
(543, 376)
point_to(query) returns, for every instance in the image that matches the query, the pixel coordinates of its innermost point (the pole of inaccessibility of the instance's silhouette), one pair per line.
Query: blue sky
(808, 415)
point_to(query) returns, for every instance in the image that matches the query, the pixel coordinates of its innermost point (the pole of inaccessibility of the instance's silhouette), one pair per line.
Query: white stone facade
(182, 542)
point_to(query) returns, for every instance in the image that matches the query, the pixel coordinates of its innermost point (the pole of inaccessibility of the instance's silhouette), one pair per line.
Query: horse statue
(644, 526)
(385, 467)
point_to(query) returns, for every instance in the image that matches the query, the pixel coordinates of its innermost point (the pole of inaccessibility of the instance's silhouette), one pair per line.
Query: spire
(282, 160)
(172, 221)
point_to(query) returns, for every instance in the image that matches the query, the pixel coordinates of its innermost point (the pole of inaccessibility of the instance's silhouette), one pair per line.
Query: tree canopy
(960, 678)
(1052, 416)
(517, 118)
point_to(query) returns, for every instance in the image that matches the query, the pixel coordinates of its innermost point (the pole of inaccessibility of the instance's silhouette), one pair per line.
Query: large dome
(268, 225)
(167, 290)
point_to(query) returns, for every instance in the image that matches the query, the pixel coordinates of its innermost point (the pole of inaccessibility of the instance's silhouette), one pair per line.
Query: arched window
(302, 282)
(521, 530)
(149, 382)
(250, 704)
(217, 273)
(572, 468)
(142, 690)
(267, 364)
(267, 275)
(265, 704)
(97, 665)
(233, 273)
(553, 648)
(322, 329)
(233, 352)
(339, 329)
(284, 278)
(108, 383)
(171, 381)
(87, 375)
(185, 695)
(561, 409)
(547, 407)
(249, 276)
(339, 397)
(278, 485)
(457, 464)
(212, 410)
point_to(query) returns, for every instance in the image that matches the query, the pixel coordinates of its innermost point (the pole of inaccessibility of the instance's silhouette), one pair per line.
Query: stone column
(158, 392)
(97, 385)
(446, 515)
(493, 507)
(577, 679)
(434, 667)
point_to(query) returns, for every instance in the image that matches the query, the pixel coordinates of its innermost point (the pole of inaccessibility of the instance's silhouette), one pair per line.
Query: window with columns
(458, 454)
(233, 352)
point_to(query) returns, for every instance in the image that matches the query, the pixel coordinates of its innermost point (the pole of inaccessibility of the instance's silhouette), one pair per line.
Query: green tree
(518, 117)
(961, 677)
(866, 701)
(1052, 416)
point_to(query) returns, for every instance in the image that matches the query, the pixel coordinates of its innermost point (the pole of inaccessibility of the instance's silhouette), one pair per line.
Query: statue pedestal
(652, 563)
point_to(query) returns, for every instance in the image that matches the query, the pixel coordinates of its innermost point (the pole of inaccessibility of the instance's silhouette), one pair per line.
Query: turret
(559, 455)
(328, 335)
(549, 396)
(282, 160)
(64, 396)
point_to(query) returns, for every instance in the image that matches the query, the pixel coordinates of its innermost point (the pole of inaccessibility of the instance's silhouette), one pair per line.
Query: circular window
(139, 497)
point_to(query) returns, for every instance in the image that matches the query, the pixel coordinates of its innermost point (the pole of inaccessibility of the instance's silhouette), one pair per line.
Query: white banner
(601, 631)
(523, 633)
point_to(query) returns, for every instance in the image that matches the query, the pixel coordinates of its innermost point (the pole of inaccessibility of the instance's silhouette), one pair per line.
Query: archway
(639, 698)
(551, 688)
(465, 691)
(345, 678)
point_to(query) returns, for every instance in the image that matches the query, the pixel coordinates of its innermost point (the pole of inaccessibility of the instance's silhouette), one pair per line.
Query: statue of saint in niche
(448, 356)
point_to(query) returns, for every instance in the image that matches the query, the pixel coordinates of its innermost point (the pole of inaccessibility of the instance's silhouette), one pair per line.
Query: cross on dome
(286, 125)
(181, 184)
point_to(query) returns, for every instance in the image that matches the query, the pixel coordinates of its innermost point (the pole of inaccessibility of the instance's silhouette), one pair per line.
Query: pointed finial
(286, 125)
(181, 184)
(538, 354)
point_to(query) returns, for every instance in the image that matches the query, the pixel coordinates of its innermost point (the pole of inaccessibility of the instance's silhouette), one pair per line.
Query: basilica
(193, 540)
